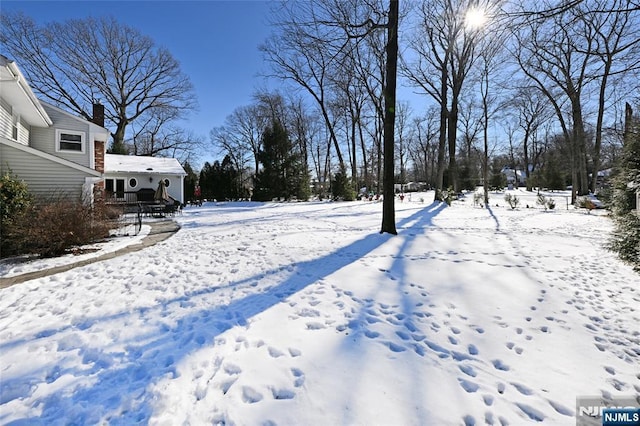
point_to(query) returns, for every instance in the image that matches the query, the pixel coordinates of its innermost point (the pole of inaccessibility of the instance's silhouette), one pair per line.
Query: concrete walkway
(160, 231)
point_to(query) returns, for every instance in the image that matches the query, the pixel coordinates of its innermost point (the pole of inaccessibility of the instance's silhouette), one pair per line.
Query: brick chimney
(99, 156)
(98, 114)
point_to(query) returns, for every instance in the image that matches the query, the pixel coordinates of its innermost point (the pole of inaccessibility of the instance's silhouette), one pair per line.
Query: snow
(114, 163)
(302, 313)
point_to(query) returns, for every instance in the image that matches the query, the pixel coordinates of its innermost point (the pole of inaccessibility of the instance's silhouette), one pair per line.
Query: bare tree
(78, 62)
(302, 51)
(531, 111)
(554, 55)
(403, 138)
(617, 33)
(445, 50)
(423, 151)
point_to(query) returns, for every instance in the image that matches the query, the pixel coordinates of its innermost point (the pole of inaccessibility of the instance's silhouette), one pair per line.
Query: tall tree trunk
(599, 125)
(388, 202)
(527, 174)
(365, 161)
(452, 134)
(442, 138)
(485, 136)
(354, 165)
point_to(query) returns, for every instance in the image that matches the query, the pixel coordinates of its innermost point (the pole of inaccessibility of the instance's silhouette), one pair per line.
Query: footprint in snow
(468, 370)
(393, 347)
(531, 412)
(232, 369)
(250, 395)
(299, 377)
(282, 393)
(473, 350)
(468, 386)
(499, 365)
(488, 400)
(295, 352)
(524, 390)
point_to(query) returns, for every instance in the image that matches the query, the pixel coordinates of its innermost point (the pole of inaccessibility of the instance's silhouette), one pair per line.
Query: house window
(70, 141)
(114, 188)
(133, 182)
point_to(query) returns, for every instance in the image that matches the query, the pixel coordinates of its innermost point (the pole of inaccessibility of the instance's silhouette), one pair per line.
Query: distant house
(128, 173)
(514, 177)
(57, 153)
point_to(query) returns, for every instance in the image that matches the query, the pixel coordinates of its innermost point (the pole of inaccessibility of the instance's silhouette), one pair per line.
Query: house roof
(114, 163)
(17, 92)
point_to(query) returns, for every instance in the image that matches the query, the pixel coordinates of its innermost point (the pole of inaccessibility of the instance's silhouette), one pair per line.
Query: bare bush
(53, 227)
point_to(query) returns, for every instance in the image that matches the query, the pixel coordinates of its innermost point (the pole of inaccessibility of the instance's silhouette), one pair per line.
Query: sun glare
(475, 18)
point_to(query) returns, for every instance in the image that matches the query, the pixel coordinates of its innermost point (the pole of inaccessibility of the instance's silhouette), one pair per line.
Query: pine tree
(283, 174)
(626, 235)
(498, 180)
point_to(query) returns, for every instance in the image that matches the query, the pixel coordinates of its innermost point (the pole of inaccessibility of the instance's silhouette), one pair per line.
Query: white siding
(5, 119)
(174, 189)
(43, 177)
(45, 139)
(23, 134)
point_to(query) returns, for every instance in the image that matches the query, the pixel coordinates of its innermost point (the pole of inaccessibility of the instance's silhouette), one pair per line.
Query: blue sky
(215, 41)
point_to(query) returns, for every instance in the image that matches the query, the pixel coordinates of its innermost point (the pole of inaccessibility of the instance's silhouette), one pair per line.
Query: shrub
(585, 203)
(512, 200)
(448, 195)
(15, 201)
(551, 204)
(625, 239)
(51, 228)
(547, 203)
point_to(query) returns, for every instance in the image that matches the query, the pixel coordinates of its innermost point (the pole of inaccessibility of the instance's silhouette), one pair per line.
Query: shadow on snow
(115, 384)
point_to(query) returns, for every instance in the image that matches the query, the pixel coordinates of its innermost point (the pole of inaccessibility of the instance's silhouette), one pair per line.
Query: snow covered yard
(304, 314)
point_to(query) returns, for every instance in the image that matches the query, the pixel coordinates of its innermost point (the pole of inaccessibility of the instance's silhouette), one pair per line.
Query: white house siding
(5, 119)
(45, 139)
(23, 134)
(43, 177)
(175, 188)
(6, 124)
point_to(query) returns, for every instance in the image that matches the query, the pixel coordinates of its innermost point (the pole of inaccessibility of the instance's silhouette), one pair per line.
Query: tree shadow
(113, 385)
(493, 216)
(409, 230)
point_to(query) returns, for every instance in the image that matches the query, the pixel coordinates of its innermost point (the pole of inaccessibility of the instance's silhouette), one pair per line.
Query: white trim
(47, 156)
(26, 89)
(83, 141)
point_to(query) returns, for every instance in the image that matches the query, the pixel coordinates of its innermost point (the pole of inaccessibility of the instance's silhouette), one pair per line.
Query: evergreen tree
(190, 182)
(498, 181)
(552, 175)
(626, 235)
(283, 174)
(341, 187)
